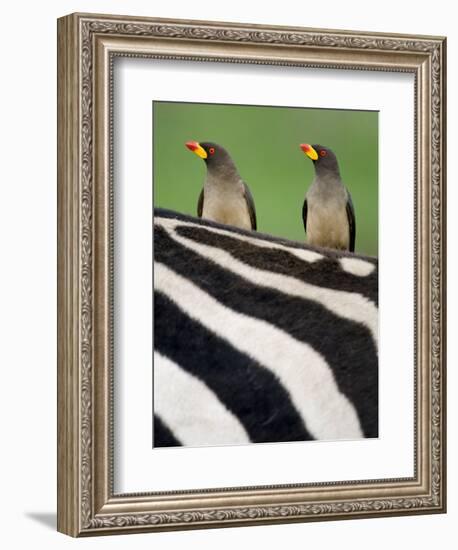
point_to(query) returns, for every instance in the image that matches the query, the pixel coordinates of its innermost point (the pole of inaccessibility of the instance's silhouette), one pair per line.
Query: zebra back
(260, 339)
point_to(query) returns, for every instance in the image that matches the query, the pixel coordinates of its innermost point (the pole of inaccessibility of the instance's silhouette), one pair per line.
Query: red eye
(211, 150)
(323, 153)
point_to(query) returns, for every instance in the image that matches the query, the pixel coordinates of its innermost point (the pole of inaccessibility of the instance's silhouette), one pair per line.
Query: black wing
(200, 204)
(250, 205)
(351, 222)
(304, 214)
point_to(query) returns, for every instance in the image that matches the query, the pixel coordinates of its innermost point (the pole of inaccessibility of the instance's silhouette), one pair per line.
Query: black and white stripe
(260, 339)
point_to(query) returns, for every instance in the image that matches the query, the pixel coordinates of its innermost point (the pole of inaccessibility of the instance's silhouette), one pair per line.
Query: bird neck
(331, 174)
(223, 175)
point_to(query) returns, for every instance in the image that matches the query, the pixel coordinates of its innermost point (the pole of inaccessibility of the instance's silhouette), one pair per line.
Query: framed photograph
(251, 290)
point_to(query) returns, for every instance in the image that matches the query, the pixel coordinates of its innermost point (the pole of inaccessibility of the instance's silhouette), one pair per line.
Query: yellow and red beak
(196, 148)
(309, 151)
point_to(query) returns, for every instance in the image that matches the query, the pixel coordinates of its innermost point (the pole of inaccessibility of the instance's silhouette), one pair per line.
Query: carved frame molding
(87, 45)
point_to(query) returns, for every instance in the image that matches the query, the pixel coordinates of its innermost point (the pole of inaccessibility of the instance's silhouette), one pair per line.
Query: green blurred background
(264, 144)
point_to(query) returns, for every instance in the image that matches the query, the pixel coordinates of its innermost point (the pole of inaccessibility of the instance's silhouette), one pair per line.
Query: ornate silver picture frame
(87, 47)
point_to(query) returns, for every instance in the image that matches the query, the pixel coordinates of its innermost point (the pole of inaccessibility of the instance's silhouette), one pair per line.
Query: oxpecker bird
(328, 213)
(225, 197)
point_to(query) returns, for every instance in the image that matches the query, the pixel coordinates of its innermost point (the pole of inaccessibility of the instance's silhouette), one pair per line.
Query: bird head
(216, 157)
(323, 158)
(211, 153)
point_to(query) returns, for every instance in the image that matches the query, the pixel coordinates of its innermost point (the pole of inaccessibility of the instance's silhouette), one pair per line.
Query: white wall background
(28, 272)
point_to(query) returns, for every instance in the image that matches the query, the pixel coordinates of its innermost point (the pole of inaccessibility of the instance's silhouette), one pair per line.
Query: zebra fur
(260, 339)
